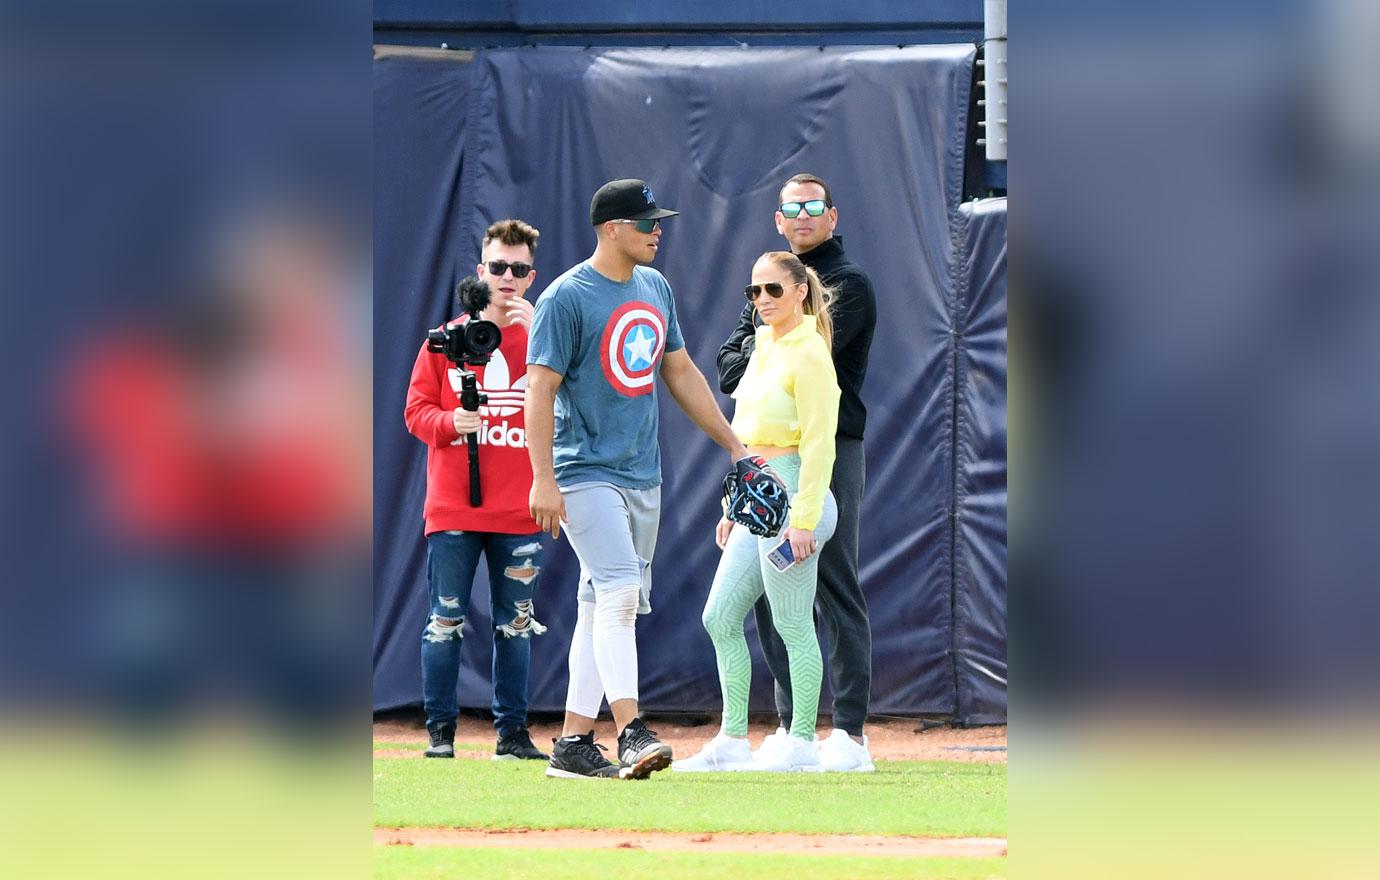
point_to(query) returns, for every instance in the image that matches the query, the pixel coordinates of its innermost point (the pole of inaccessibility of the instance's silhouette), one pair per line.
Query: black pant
(839, 606)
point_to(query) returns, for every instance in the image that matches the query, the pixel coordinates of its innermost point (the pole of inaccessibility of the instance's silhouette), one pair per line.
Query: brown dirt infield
(887, 740)
(822, 844)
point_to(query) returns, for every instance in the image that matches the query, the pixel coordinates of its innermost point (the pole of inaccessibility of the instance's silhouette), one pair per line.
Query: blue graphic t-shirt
(606, 339)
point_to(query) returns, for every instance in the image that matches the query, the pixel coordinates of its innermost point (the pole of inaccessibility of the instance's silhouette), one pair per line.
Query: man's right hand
(547, 506)
(466, 422)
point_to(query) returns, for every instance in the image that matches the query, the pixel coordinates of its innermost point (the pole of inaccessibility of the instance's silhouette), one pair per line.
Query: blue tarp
(532, 133)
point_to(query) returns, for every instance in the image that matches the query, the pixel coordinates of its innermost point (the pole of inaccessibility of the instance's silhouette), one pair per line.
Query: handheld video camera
(469, 345)
(477, 339)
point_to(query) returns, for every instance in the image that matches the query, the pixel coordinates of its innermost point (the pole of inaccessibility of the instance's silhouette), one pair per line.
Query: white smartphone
(781, 557)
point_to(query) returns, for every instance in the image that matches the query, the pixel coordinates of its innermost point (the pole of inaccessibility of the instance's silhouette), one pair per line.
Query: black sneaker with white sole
(442, 741)
(517, 746)
(640, 752)
(578, 757)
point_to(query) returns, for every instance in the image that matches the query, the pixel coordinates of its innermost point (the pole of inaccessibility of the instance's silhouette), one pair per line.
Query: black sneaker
(442, 741)
(641, 752)
(518, 746)
(577, 757)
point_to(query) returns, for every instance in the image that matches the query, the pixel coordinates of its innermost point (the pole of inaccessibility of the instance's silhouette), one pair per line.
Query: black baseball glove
(755, 497)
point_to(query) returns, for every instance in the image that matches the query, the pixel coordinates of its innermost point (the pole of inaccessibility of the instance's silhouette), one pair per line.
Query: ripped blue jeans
(514, 563)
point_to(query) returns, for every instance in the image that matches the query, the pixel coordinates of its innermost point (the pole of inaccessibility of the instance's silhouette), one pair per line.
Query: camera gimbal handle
(471, 399)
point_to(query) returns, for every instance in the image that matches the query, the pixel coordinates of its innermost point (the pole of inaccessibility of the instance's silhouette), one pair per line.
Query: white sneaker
(841, 754)
(723, 752)
(786, 754)
(772, 740)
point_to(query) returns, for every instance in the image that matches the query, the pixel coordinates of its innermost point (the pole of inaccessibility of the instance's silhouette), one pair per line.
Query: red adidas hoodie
(505, 471)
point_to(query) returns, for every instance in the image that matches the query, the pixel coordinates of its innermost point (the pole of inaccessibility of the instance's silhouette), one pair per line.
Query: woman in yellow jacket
(787, 413)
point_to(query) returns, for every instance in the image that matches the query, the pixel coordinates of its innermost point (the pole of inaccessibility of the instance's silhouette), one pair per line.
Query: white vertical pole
(994, 79)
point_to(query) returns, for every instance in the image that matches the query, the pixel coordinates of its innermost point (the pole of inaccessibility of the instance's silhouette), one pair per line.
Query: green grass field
(935, 798)
(421, 744)
(927, 798)
(408, 863)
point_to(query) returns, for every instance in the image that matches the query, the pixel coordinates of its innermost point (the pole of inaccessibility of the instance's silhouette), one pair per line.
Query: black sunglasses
(752, 291)
(814, 207)
(646, 227)
(520, 270)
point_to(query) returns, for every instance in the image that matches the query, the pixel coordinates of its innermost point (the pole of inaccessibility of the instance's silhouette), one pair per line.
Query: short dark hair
(512, 232)
(810, 178)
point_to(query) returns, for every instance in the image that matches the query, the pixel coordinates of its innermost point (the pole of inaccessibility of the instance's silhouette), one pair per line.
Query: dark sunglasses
(646, 227)
(814, 207)
(752, 291)
(520, 270)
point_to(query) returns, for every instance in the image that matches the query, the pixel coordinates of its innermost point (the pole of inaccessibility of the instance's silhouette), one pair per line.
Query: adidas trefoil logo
(506, 398)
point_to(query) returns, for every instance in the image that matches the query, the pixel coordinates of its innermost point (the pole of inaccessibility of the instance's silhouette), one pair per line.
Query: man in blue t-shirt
(602, 333)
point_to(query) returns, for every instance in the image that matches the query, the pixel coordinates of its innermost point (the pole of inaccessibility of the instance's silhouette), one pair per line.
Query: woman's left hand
(802, 543)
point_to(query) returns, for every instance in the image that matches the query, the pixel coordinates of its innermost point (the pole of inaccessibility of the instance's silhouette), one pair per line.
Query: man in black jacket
(806, 217)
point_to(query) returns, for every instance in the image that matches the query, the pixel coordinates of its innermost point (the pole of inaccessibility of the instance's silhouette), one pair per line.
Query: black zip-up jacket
(854, 317)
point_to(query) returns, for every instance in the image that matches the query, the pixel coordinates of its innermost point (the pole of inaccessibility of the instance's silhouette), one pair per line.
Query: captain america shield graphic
(631, 347)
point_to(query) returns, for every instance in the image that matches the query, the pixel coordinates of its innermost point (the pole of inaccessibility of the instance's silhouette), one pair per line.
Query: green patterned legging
(742, 576)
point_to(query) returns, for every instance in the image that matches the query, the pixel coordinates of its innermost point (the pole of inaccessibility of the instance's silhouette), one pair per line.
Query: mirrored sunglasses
(498, 267)
(752, 291)
(814, 207)
(646, 227)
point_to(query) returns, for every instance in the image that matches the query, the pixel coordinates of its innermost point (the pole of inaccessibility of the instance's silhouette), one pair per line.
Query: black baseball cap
(626, 199)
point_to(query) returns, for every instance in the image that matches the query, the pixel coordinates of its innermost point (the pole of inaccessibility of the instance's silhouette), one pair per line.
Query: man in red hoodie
(502, 528)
